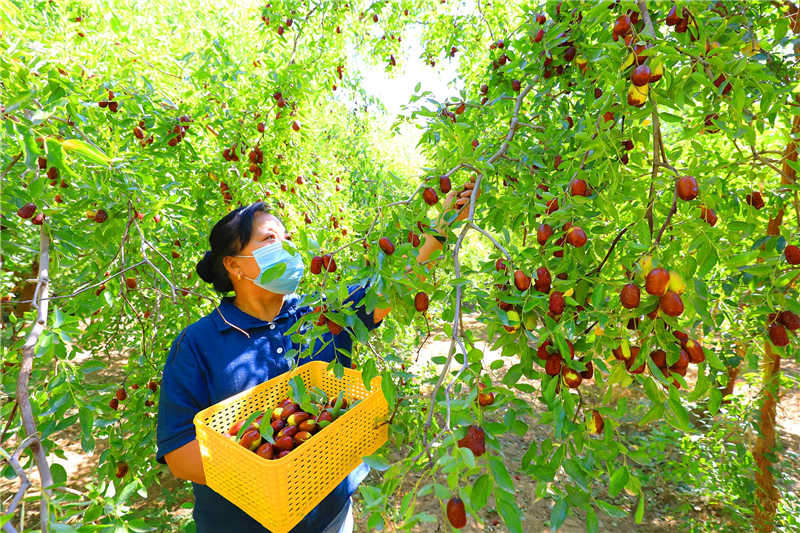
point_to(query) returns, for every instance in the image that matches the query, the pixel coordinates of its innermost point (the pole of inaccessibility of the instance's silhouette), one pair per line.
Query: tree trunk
(767, 495)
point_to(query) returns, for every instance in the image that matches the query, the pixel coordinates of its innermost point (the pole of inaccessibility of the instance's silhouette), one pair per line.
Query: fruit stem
(580, 403)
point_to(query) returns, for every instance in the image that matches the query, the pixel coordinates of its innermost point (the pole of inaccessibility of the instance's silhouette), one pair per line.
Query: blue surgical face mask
(281, 267)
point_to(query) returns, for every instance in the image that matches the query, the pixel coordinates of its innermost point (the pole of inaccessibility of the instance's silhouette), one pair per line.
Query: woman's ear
(233, 269)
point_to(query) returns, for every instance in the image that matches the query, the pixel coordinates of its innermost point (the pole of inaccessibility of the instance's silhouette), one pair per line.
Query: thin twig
(611, 249)
(11, 165)
(8, 424)
(480, 10)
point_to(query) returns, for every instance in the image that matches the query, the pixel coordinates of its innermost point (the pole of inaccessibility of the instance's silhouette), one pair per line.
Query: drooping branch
(24, 484)
(455, 334)
(40, 303)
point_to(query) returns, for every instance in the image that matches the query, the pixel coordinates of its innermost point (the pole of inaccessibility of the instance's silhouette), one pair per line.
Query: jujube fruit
(430, 196)
(421, 302)
(687, 188)
(553, 365)
(630, 296)
(266, 451)
(778, 336)
(26, 211)
(316, 264)
(571, 378)
(641, 75)
(657, 281)
(543, 233)
(557, 303)
(789, 319)
(695, 352)
(543, 280)
(576, 236)
(475, 440)
(792, 254)
(456, 513)
(386, 245)
(521, 280)
(671, 304)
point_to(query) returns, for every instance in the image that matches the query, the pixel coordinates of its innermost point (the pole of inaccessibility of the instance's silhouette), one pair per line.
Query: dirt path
(81, 466)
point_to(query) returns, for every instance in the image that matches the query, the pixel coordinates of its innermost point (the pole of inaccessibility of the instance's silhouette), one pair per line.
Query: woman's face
(267, 229)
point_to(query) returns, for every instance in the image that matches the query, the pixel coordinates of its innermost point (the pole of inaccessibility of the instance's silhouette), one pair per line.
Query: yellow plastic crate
(279, 493)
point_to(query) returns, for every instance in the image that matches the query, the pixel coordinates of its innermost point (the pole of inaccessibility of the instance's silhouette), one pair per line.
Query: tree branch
(455, 332)
(611, 249)
(489, 236)
(40, 303)
(480, 10)
(25, 483)
(11, 165)
(649, 30)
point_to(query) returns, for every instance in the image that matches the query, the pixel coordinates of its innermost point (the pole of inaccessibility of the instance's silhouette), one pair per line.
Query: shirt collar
(240, 319)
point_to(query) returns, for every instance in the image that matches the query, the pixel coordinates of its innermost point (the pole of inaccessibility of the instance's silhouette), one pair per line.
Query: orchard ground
(668, 506)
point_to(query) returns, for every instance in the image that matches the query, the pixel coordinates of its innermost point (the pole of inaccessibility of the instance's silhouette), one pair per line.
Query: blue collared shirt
(210, 361)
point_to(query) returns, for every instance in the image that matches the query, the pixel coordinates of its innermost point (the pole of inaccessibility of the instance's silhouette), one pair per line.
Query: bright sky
(394, 88)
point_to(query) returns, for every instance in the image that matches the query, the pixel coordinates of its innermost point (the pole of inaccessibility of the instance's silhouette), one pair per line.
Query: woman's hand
(458, 200)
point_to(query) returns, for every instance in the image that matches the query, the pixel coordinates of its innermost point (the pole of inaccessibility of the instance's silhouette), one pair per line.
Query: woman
(241, 343)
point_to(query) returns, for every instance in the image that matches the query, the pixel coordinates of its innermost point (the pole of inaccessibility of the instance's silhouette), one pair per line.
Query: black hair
(228, 237)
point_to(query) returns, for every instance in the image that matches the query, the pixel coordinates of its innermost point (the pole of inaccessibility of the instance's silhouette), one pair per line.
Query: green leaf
(480, 492)
(573, 469)
(59, 473)
(510, 512)
(558, 514)
(127, 492)
(87, 420)
(713, 359)
(500, 474)
(513, 375)
(592, 525)
(655, 413)
(389, 390)
(248, 421)
(273, 273)
(617, 482)
(639, 515)
(86, 151)
(681, 418)
(368, 371)
(708, 262)
(714, 400)
(377, 462)
(611, 510)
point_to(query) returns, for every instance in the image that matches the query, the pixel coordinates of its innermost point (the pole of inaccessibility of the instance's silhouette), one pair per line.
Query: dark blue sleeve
(184, 392)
